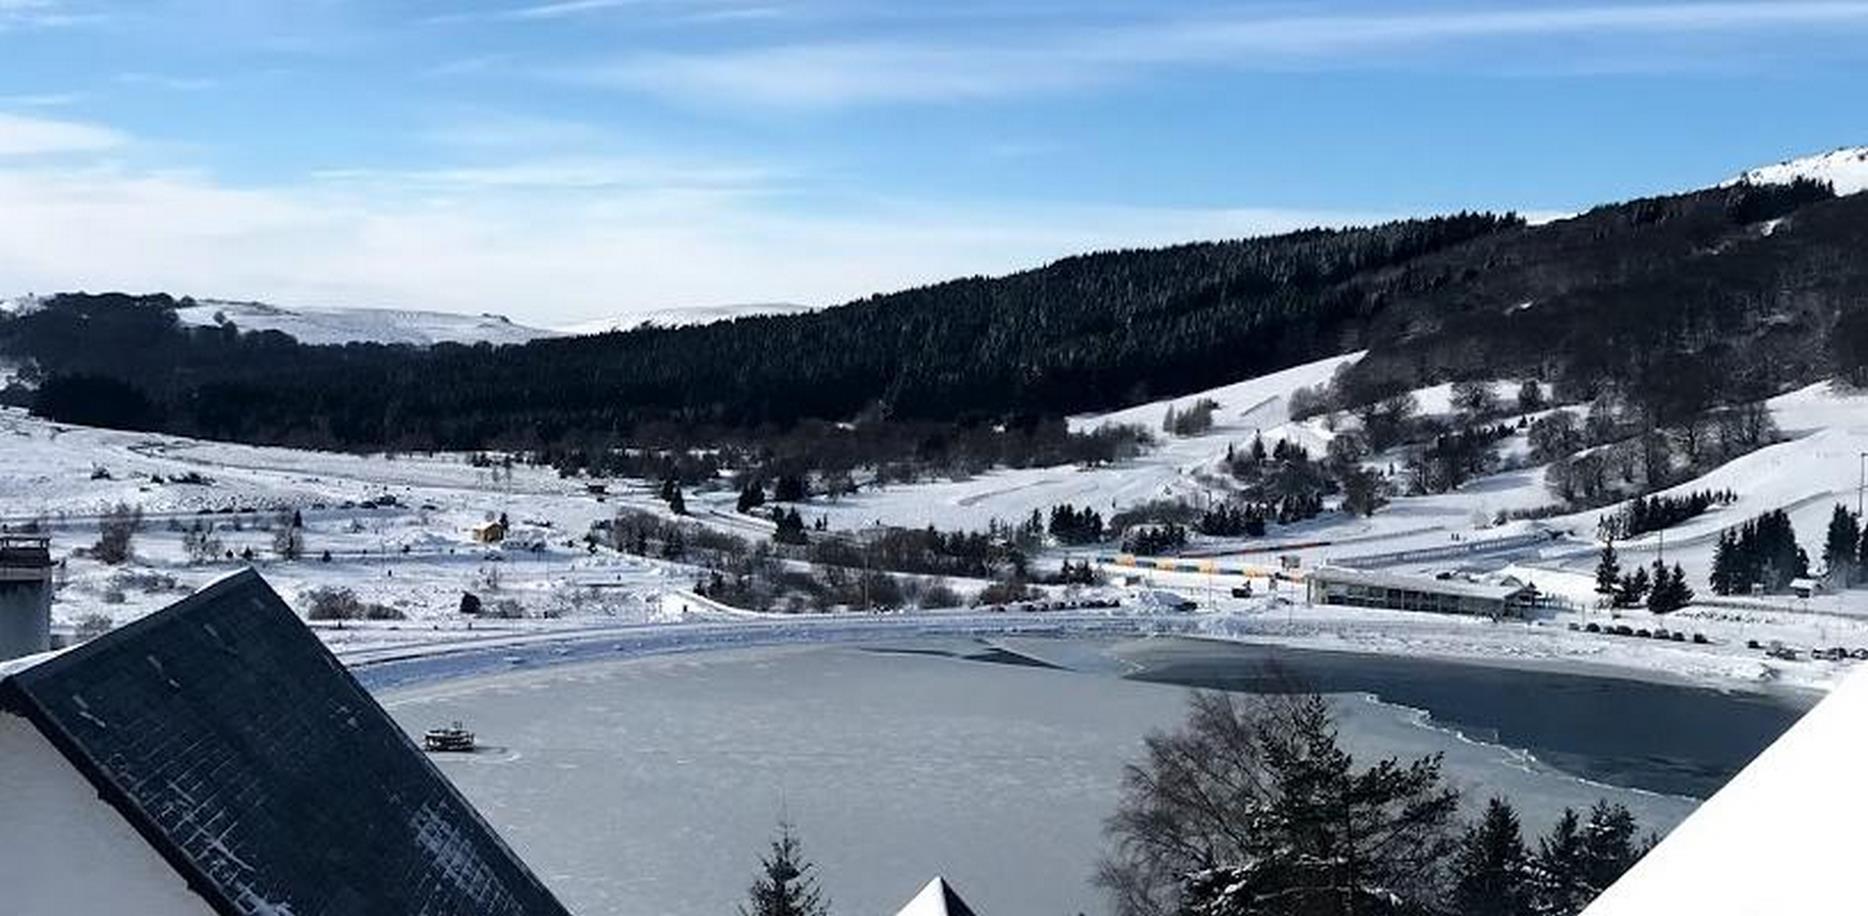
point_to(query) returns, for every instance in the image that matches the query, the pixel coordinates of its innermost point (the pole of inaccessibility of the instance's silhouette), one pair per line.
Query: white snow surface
(1846, 169)
(326, 325)
(322, 325)
(417, 558)
(1781, 837)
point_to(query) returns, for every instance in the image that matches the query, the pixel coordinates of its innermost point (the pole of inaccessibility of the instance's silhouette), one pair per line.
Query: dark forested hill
(1689, 288)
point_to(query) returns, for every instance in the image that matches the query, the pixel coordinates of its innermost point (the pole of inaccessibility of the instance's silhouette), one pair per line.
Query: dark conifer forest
(1682, 302)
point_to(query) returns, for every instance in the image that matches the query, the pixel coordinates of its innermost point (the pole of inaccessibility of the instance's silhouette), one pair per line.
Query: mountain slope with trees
(1715, 296)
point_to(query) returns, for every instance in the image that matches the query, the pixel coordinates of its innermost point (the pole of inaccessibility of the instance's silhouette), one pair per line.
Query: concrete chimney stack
(25, 595)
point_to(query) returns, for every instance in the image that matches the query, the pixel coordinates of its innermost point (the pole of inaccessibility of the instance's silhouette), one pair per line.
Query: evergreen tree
(1608, 571)
(677, 503)
(786, 885)
(1491, 870)
(1840, 547)
(1723, 578)
(790, 527)
(751, 496)
(1660, 594)
(1561, 875)
(1254, 808)
(1633, 588)
(1681, 593)
(1609, 845)
(790, 488)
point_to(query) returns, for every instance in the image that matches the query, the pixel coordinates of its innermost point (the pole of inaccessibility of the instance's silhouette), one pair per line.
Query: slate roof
(254, 763)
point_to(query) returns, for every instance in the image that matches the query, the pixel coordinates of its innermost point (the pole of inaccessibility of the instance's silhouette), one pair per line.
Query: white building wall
(63, 852)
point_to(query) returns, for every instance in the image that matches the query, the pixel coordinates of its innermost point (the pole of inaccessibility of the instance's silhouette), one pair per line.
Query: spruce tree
(1840, 546)
(1634, 588)
(751, 496)
(1681, 593)
(1562, 868)
(1491, 870)
(786, 885)
(1660, 594)
(1723, 578)
(1609, 845)
(1608, 571)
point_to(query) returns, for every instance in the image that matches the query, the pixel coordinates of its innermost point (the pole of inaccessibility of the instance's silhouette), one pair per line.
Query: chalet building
(215, 758)
(488, 533)
(1402, 592)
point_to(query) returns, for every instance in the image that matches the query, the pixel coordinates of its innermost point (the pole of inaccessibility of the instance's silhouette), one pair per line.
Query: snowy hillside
(319, 326)
(415, 554)
(682, 316)
(1846, 169)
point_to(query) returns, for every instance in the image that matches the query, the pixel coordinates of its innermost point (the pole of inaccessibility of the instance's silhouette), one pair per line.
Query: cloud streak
(28, 136)
(894, 69)
(542, 240)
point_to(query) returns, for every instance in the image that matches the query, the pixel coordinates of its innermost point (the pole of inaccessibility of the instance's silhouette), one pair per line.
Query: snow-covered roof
(250, 759)
(1781, 837)
(1451, 586)
(936, 899)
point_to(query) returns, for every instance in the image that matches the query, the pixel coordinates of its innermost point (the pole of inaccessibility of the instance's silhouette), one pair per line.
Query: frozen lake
(650, 785)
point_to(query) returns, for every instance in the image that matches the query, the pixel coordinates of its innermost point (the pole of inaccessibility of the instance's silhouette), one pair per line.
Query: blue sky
(581, 158)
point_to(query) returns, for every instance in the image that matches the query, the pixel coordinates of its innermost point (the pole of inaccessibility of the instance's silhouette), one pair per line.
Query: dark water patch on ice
(984, 652)
(1666, 738)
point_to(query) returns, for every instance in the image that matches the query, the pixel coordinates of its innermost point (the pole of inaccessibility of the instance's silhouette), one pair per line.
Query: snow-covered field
(346, 325)
(327, 325)
(417, 557)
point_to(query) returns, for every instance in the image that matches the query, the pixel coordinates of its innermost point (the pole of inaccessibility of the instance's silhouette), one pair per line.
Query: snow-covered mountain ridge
(336, 325)
(347, 325)
(1845, 169)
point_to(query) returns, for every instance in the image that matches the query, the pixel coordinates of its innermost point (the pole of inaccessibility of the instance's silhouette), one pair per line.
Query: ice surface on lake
(652, 785)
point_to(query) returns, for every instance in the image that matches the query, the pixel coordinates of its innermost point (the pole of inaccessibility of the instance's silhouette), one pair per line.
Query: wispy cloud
(565, 8)
(1038, 60)
(562, 174)
(562, 239)
(553, 10)
(42, 14)
(41, 100)
(28, 136)
(167, 81)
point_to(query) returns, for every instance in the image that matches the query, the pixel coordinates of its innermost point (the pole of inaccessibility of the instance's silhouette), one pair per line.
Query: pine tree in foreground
(1561, 870)
(785, 886)
(1491, 870)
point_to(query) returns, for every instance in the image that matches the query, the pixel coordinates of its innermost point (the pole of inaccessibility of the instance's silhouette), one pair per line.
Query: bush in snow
(115, 531)
(91, 626)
